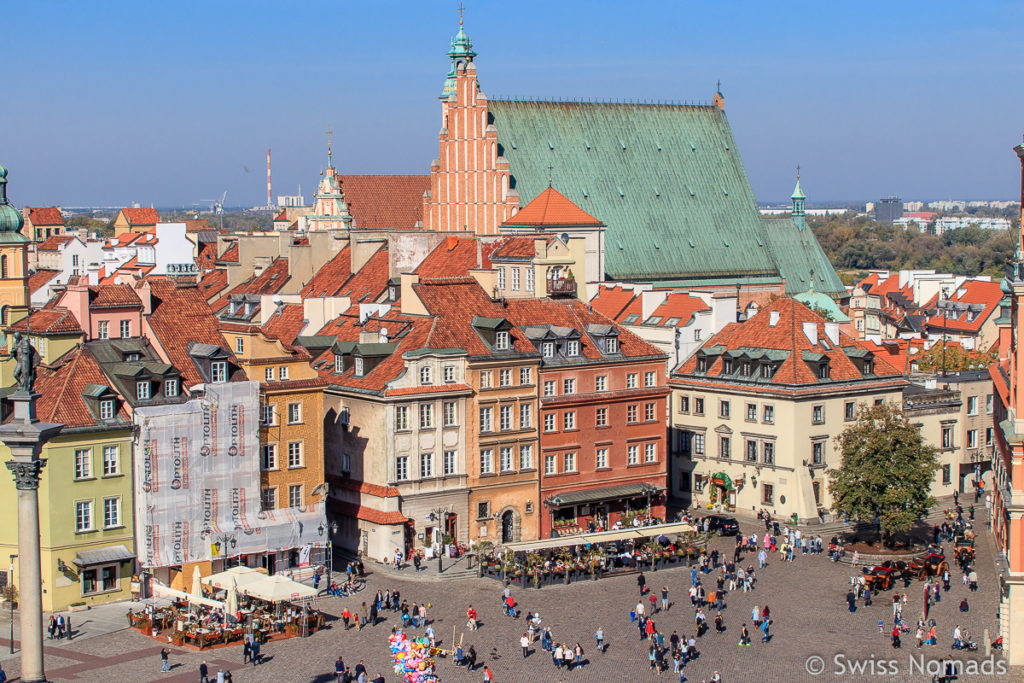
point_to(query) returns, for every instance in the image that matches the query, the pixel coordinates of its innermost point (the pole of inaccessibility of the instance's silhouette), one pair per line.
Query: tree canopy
(886, 470)
(958, 358)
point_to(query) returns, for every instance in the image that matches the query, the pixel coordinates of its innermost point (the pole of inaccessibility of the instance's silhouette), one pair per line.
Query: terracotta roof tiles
(60, 386)
(455, 257)
(385, 201)
(56, 320)
(113, 296)
(54, 242)
(515, 248)
(141, 216)
(40, 278)
(286, 323)
(552, 208)
(331, 277)
(45, 215)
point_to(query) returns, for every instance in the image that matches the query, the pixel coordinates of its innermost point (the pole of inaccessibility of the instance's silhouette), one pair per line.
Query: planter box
(78, 608)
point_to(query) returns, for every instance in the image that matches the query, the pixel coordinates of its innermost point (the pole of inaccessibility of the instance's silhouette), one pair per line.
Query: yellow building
(13, 259)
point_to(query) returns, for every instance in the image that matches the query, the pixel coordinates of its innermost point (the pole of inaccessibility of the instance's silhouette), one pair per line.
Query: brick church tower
(469, 181)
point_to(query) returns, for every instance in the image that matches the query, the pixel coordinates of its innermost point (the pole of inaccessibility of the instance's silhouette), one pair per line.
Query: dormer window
(702, 364)
(767, 370)
(107, 409)
(393, 293)
(170, 388)
(631, 319)
(869, 367)
(501, 340)
(611, 345)
(218, 371)
(727, 366)
(572, 348)
(654, 320)
(339, 363)
(142, 390)
(745, 368)
(359, 366)
(449, 374)
(133, 356)
(547, 349)
(425, 375)
(823, 370)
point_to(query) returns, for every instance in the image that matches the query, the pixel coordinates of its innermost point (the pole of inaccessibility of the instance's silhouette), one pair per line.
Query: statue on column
(26, 360)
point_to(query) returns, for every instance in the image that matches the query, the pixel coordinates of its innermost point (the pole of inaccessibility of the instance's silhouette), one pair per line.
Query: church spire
(798, 196)
(461, 51)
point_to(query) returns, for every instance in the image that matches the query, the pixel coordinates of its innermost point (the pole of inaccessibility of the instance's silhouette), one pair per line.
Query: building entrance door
(507, 527)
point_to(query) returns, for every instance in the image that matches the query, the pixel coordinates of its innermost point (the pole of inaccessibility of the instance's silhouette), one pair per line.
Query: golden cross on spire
(461, 10)
(550, 169)
(718, 85)
(329, 133)
(798, 171)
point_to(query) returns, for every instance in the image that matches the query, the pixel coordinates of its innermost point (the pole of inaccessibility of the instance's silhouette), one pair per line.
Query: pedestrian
(3, 674)
(339, 670)
(755, 616)
(256, 657)
(567, 657)
(204, 673)
(641, 582)
(744, 636)
(416, 561)
(524, 643)
(51, 625)
(851, 600)
(488, 676)
(60, 627)
(599, 637)
(919, 635)
(664, 598)
(246, 651)
(471, 657)
(165, 665)
(764, 627)
(345, 616)
(896, 637)
(556, 656)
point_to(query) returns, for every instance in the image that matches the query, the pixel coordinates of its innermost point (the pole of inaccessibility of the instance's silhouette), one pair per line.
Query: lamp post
(333, 529)
(10, 583)
(440, 515)
(945, 311)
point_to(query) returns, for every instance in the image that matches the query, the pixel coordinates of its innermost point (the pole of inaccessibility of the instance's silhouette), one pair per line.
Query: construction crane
(217, 207)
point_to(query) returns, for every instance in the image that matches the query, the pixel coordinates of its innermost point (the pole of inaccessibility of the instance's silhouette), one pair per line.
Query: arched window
(3, 267)
(4, 312)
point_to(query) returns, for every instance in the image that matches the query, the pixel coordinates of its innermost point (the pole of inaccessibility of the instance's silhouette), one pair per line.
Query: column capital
(26, 474)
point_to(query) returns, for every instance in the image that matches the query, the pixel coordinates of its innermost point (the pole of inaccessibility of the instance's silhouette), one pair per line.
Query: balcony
(561, 286)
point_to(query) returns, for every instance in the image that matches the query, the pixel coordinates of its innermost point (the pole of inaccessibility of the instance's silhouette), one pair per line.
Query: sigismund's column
(25, 436)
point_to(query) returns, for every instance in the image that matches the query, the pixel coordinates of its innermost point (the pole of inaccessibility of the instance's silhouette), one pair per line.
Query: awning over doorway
(607, 493)
(722, 479)
(108, 555)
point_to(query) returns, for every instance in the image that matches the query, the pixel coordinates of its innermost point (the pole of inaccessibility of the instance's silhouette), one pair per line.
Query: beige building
(757, 411)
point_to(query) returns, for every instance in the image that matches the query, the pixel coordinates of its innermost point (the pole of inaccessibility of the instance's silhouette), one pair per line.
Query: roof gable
(141, 216)
(552, 209)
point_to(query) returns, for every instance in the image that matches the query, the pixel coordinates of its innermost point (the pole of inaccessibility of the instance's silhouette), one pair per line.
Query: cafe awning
(108, 555)
(278, 588)
(636, 533)
(167, 591)
(619, 492)
(243, 576)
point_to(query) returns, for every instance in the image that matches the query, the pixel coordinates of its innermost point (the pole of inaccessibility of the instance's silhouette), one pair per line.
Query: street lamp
(440, 515)
(10, 585)
(330, 548)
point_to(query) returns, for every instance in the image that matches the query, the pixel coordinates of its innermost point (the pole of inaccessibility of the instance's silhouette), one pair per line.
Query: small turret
(460, 52)
(11, 219)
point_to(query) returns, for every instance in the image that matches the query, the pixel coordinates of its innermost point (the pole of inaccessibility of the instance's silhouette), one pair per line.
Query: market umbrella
(197, 586)
(231, 602)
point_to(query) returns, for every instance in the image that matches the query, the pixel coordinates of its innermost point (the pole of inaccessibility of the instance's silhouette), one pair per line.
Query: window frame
(116, 470)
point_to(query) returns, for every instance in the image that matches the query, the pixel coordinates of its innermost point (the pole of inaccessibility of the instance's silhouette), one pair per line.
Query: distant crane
(217, 207)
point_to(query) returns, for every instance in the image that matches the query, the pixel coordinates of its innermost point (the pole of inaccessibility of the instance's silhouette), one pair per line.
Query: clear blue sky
(170, 102)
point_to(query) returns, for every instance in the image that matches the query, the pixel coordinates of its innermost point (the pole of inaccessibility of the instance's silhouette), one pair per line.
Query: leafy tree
(957, 358)
(886, 470)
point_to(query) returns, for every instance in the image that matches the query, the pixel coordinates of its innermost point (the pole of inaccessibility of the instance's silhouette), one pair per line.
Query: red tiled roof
(987, 294)
(270, 281)
(113, 296)
(141, 216)
(206, 256)
(552, 208)
(54, 242)
(439, 389)
(370, 282)
(56, 320)
(455, 257)
(60, 386)
(385, 201)
(611, 301)
(409, 333)
(363, 487)
(45, 215)
(516, 247)
(197, 225)
(331, 276)
(286, 323)
(679, 305)
(366, 513)
(787, 334)
(283, 216)
(39, 278)
(230, 254)
(213, 283)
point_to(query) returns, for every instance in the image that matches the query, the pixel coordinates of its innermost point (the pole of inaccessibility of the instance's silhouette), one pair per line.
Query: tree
(886, 470)
(958, 358)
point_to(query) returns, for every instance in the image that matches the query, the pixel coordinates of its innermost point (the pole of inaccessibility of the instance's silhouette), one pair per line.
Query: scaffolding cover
(197, 483)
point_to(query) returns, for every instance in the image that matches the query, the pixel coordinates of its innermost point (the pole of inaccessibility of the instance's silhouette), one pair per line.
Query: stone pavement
(807, 600)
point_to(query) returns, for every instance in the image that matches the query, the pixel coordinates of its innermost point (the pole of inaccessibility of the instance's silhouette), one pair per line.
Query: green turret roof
(798, 192)
(461, 51)
(11, 219)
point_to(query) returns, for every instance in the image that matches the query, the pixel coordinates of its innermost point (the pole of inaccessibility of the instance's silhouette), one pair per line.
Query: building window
(218, 371)
(525, 376)
(823, 370)
(505, 415)
(239, 344)
(99, 580)
(525, 415)
(947, 437)
(972, 438)
(611, 345)
(631, 380)
(601, 460)
(946, 475)
(649, 379)
(268, 413)
(426, 415)
(547, 349)
(402, 468)
(768, 453)
(505, 458)
(972, 405)
(702, 364)
(294, 413)
(684, 404)
(103, 329)
(878, 401)
(501, 277)
(988, 404)
(515, 279)
(339, 364)
(650, 452)
(549, 422)
(549, 464)
(601, 417)
(650, 412)
(569, 462)
(818, 414)
(483, 510)
(425, 374)
(525, 457)
(142, 390)
(295, 496)
(359, 366)
(170, 388)
(426, 465)
(449, 374)
(768, 494)
(751, 451)
(727, 366)
(83, 463)
(569, 386)
(111, 512)
(449, 414)
(268, 499)
(569, 420)
(505, 377)
(486, 461)
(818, 453)
(401, 418)
(849, 411)
(501, 341)
(601, 383)
(767, 370)
(633, 455)
(111, 460)
(268, 373)
(269, 456)
(529, 279)
(294, 454)
(485, 379)
(988, 436)
(698, 444)
(83, 515)
(723, 409)
(282, 372)
(724, 445)
(107, 409)
(572, 349)
(751, 412)
(449, 463)
(549, 387)
(631, 413)
(698, 406)
(485, 419)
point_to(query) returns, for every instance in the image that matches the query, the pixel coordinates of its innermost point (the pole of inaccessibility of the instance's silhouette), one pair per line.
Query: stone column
(25, 435)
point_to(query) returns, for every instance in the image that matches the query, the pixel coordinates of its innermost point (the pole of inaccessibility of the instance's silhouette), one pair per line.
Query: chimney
(93, 273)
(811, 332)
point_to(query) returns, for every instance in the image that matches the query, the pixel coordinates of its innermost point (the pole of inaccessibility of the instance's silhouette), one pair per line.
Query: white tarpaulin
(197, 483)
(279, 588)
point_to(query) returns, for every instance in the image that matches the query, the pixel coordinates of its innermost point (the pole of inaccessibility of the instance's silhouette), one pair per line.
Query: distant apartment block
(888, 209)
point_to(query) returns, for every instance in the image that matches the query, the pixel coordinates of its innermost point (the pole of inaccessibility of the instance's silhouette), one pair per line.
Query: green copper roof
(667, 180)
(461, 50)
(10, 218)
(814, 299)
(798, 254)
(798, 193)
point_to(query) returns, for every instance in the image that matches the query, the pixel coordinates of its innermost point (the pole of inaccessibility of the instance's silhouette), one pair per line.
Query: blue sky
(168, 103)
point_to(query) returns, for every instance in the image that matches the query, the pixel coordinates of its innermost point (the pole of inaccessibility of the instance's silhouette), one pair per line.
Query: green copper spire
(461, 50)
(798, 197)
(10, 218)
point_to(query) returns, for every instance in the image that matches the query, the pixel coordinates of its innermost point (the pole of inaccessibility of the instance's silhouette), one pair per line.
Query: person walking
(599, 637)
(345, 616)
(165, 664)
(744, 636)
(664, 598)
(256, 658)
(471, 658)
(556, 656)
(204, 673)
(524, 643)
(246, 651)
(339, 670)
(641, 582)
